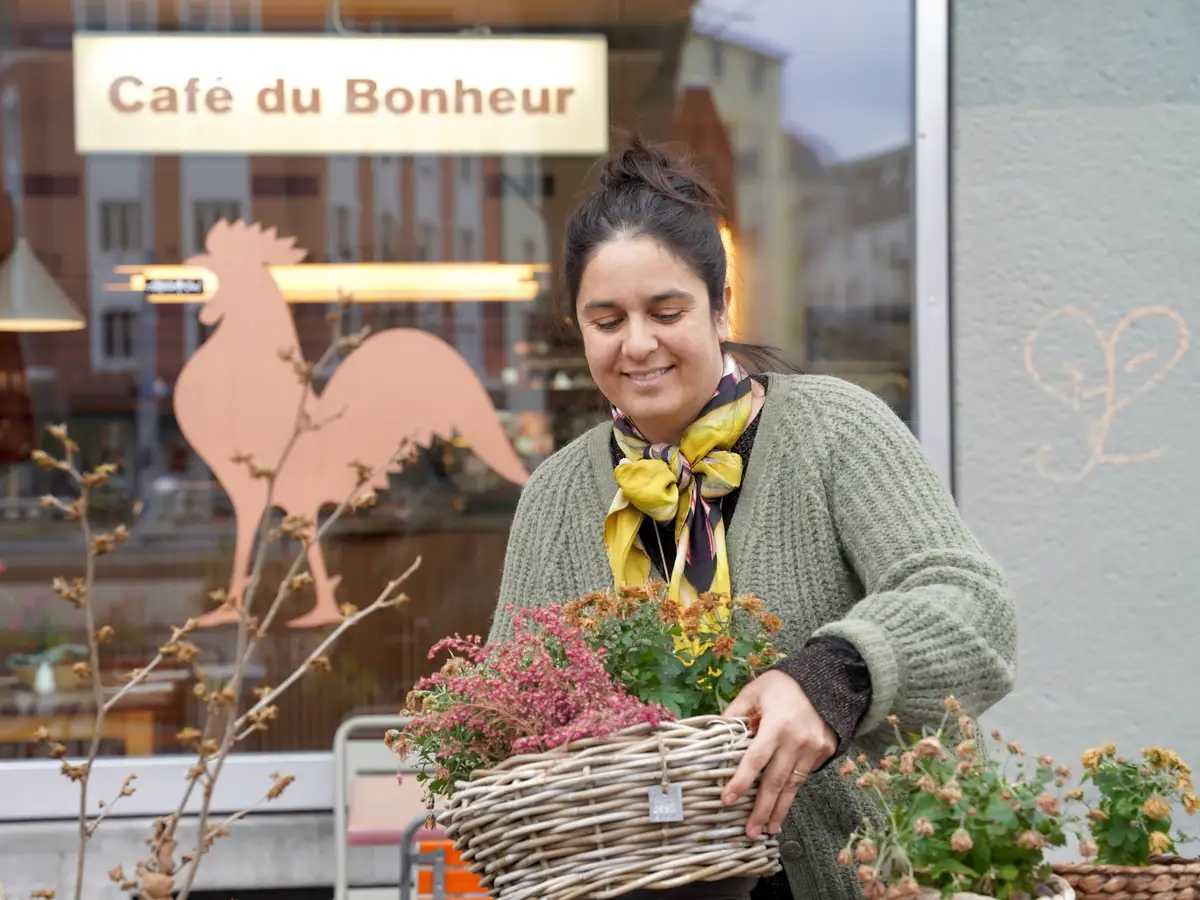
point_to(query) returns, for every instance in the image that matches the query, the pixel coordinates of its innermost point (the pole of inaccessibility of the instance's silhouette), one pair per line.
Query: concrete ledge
(265, 851)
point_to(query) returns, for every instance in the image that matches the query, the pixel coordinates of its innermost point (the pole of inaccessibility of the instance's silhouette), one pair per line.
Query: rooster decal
(234, 396)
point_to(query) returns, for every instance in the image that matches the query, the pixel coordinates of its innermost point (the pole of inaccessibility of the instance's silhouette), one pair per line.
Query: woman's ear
(722, 318)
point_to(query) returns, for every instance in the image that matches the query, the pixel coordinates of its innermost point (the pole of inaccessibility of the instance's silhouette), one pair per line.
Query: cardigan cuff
(837, 682)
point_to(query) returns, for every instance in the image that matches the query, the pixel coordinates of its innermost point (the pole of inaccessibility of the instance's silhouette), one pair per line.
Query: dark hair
(650, 190)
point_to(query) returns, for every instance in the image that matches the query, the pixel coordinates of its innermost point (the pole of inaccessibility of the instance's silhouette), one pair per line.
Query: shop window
(810, 275)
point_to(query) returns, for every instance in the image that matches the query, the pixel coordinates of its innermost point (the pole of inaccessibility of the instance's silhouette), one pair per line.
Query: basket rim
(1155, 865)
(693, 724)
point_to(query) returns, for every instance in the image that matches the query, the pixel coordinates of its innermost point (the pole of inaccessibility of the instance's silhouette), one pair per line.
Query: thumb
(745, 704)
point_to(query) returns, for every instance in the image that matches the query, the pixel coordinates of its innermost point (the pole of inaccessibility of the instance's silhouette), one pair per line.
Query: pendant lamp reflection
(30, 298)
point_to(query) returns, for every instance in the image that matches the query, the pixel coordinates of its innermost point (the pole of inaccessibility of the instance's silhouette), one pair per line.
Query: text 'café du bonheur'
(130, 94)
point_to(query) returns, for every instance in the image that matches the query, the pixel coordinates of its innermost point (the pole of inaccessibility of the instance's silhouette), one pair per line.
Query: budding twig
(386, 597)
(158, 876)
(125, 791)
(249, 633)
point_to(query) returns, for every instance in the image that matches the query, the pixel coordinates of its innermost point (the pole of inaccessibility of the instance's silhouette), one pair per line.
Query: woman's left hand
(792, 740)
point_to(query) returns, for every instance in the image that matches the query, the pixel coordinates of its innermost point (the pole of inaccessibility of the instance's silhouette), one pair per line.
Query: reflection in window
(749, 162)
(387, 237)
(141, 15)
(758, 73)
(426, 242)
(208, 213)
(466, 244)
(12, 135)
(91, 15)
(118, 335)
(120, 226)
(716, 58)
(341, 239)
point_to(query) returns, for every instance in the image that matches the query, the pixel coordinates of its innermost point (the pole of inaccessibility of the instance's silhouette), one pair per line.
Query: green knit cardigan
(842, 528)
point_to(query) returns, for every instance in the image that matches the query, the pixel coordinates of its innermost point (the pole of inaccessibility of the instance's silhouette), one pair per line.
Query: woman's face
(651, 340)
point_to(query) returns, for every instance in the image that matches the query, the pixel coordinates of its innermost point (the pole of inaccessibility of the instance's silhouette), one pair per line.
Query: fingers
(760, 752)
(808, 760)
(777, 787)
(745, 704)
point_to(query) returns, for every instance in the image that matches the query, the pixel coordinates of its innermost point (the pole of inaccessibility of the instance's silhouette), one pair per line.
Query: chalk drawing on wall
(1093, 379)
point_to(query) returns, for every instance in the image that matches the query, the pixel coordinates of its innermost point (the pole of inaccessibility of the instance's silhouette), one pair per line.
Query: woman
(807, 492)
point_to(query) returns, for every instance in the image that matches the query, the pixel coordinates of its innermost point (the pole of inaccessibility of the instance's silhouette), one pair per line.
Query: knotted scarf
(683, 483)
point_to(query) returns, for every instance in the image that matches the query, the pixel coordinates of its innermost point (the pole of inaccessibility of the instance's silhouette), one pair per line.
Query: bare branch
(387, 597)
(125, 791)
(246, 641)
(135, 678)
(159, 876)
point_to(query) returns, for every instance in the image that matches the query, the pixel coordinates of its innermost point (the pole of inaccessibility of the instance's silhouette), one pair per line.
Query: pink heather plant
(545, 687)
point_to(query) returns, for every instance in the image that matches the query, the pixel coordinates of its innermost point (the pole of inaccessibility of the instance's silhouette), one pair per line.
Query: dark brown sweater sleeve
(836, 680)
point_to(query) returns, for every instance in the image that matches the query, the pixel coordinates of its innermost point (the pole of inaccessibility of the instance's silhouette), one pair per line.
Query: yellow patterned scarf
(680, 483)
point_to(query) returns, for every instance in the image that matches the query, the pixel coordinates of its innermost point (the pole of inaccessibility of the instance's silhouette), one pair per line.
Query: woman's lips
(649, 377)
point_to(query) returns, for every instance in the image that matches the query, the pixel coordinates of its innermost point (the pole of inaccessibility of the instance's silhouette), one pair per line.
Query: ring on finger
(800, 775)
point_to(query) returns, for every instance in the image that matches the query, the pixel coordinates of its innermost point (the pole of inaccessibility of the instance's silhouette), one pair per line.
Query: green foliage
(956, 817)
(1132, 821)
(692, 661)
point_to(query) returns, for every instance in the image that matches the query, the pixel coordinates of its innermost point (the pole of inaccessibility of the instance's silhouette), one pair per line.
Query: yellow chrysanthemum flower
(1159, 842)
(1096, 755)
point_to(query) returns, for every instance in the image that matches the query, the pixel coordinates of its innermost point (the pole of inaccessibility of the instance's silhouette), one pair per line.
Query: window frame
(35, 789)
(933, 399)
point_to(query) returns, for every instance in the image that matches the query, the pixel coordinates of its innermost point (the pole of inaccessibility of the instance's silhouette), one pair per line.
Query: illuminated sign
(326, 94)
(364, 282)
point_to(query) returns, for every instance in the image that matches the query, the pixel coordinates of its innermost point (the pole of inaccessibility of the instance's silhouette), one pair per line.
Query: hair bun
(639, 165)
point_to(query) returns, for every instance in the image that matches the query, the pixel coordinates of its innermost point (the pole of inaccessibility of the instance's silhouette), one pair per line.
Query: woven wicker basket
(1057, 888)
(575, 822)
(1164, 878)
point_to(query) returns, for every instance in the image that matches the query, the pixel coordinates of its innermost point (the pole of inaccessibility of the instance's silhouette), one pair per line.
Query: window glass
(799, 111)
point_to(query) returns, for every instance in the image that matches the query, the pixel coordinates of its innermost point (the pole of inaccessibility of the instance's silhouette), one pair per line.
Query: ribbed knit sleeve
(937, 617)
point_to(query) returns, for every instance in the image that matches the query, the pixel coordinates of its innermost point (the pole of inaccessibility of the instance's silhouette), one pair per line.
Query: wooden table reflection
(71, 715)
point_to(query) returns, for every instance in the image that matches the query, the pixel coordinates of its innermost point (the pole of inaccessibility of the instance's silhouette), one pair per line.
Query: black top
(829, 669)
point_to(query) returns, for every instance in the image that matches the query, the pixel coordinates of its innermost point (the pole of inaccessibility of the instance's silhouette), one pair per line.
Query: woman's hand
(791, 741)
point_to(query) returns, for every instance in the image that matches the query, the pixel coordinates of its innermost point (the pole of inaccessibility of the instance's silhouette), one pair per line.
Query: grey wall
(1076, 284)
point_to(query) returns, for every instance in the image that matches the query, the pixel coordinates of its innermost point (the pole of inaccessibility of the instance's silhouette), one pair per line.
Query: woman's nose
(640, 340)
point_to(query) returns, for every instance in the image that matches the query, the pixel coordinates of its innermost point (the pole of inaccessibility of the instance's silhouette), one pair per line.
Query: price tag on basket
(666, 803)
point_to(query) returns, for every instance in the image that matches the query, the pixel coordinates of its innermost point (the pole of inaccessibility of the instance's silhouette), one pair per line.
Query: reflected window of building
(91, 15)
(120, 226)
(758, 73)
(716, 57)
(208, 213)
(118, 328)
(141, 14)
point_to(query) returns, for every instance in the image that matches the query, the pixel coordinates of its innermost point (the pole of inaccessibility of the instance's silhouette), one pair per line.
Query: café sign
(325, 94)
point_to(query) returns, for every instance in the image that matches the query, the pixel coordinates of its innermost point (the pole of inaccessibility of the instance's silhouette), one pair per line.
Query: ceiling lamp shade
(30, 298)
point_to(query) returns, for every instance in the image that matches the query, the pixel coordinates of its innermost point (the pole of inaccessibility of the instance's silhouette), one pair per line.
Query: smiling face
(652, 342)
